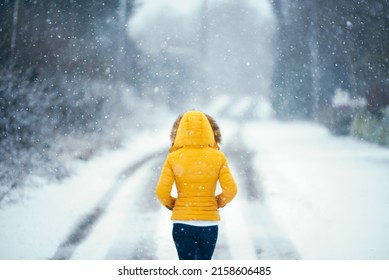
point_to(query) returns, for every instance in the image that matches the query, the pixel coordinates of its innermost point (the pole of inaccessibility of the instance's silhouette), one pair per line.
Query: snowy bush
(46, 120)
(336, 119)
(25, 126)
(372, 127)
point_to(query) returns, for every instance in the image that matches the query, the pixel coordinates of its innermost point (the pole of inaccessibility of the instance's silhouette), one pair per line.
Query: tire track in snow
(264, 238)
(147, 245)
(82, 229)
(136, 237)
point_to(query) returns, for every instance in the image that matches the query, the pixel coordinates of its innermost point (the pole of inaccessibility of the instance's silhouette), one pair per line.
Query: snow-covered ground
(329, 194)
(40, 221)
(303, 194)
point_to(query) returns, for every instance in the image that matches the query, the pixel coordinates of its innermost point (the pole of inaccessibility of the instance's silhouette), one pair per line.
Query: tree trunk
(14, 26)
(315, 67)
(122, 17)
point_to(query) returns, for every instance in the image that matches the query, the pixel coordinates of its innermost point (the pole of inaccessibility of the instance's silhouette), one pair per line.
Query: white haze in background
(228, 43)
(157, 25)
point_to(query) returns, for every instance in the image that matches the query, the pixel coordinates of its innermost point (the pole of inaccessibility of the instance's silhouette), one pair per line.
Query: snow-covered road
(303, 194)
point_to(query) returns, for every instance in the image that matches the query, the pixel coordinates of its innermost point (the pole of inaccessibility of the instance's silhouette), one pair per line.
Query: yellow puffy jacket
(195, 165)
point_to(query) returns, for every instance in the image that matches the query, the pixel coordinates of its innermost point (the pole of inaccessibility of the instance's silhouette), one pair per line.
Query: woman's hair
(212, 122)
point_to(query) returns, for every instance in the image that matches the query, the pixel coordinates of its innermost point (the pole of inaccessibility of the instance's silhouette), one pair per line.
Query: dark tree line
(325, 45)
(70, 37)
(50, 51)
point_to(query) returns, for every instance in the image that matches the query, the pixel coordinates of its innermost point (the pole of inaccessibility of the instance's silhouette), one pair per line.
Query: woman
(195, 165)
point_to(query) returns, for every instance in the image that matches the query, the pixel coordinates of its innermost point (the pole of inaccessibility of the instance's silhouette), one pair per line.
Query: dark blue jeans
(195, 242)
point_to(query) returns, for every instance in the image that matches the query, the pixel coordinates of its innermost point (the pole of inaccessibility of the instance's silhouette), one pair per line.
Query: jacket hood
(194, 128)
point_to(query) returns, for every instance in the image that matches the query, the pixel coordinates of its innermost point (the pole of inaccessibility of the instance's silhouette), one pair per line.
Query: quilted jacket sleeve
(228, 185)
(164, 186)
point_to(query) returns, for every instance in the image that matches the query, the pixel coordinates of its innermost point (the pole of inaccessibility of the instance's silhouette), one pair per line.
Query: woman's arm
(228, 185)
(164, 186)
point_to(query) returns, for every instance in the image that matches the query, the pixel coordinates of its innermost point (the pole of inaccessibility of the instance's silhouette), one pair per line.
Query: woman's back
(196, 172)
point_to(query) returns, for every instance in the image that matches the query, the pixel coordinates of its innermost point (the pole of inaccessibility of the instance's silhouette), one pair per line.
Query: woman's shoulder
(217, 153)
